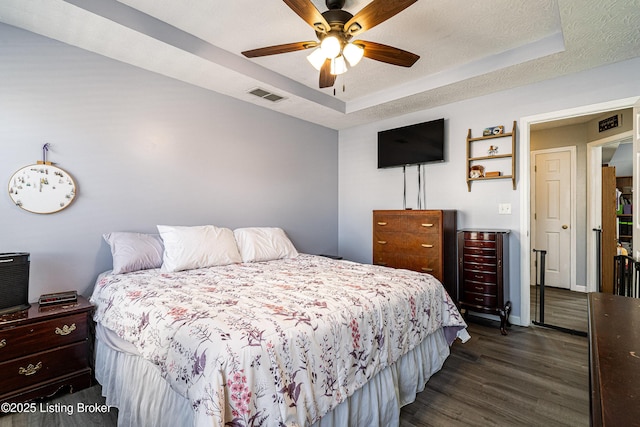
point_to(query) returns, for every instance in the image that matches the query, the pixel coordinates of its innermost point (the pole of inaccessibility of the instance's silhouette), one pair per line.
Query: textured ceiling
(467, 49)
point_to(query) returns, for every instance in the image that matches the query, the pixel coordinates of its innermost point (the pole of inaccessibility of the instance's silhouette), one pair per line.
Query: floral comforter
(273, 343)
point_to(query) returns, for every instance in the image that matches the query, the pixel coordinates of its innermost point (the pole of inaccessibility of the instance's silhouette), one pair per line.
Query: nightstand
(44, 349)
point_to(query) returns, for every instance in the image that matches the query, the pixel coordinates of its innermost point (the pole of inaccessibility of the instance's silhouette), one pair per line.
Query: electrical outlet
(504, 208)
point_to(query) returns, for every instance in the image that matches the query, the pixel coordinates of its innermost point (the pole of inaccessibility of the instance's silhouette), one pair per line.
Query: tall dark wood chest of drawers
(419, 240)
(43, 350)
(483, 272)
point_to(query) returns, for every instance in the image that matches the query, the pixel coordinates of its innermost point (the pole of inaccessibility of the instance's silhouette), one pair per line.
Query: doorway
(525, 188)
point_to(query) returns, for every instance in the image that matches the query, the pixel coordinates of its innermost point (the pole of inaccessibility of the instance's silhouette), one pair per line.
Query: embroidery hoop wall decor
(42, 187)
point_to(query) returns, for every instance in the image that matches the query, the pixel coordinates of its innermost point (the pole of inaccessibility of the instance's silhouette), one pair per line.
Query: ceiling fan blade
(326, 78)
(374, 13)
(281, 48)
(388, 54)
(311, 15)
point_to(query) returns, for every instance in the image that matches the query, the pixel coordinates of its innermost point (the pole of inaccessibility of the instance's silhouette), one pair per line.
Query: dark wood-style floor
(532, 377)
(563, 308)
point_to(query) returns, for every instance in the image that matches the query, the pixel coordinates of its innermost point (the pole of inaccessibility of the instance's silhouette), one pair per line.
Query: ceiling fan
(334, 29)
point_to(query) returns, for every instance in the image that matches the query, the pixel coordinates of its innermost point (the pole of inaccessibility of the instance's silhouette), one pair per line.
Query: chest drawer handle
(479, 299)
(30, 370)
(382, 242)
(382, 224)
(427, 225)
(426, 245)
(66, 330)
(428, 270)
(3, 343)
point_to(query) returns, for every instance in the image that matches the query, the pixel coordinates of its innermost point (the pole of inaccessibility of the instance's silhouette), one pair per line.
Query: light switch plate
(504, 208)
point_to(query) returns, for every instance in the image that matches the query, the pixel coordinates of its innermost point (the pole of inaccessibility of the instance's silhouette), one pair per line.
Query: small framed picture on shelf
(494, 130)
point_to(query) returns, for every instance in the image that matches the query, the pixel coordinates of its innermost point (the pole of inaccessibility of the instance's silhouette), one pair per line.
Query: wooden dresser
(483, 272)
(419, 240)
(44, 350)
(614, 360)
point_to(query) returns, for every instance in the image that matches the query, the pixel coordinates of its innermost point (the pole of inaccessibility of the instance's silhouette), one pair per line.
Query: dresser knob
(30, 370)
(382, 242)
(66, 330)
(427, 225)
(3, 343)
(428, 270)
(382, 223)
(426, 245)
(479, 299)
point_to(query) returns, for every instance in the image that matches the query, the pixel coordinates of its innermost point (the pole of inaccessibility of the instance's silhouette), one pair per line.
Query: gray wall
(146, 150)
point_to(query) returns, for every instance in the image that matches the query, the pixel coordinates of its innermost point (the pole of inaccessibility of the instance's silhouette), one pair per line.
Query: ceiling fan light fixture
(317, 58)
(338, 66)
(331, 47)
(353, 53)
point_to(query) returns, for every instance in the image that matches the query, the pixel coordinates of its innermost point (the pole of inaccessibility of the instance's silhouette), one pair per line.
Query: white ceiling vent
(261, 93)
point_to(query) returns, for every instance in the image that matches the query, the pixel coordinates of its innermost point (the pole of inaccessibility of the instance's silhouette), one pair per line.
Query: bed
(236, 328)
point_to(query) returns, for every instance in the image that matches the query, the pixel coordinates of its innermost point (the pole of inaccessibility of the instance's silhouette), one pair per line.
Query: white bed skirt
(144, 398)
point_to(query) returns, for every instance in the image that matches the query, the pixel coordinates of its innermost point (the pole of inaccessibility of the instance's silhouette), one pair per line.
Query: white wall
(146, 150)
(363, 187)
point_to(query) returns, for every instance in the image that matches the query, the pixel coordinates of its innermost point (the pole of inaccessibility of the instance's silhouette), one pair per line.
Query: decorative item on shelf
(493, 150)
(492, 174)
(477, 171)
(494, 130)
(42, 187)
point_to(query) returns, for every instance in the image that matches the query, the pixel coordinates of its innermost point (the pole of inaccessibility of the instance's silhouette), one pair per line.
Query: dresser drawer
(43, 366)
(480, 251)
(481, 288)
(35, 337)
(487, 268)
(479, 235)
(479, 244)
(410, 262)
(407, 223)
(416, 244)
(477, 259)
(481, 277)
(477, 299)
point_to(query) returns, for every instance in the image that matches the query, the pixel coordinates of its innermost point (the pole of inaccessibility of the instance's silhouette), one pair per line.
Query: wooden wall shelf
(472, 160)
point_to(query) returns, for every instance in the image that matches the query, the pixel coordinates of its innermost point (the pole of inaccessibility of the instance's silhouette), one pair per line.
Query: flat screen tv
(410, 145)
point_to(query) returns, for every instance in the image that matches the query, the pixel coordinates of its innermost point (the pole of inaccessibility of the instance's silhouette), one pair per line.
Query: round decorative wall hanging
(42, 188)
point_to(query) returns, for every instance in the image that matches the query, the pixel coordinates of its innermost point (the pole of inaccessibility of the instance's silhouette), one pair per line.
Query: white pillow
(134, 251)
(202, 246)
(264, 244)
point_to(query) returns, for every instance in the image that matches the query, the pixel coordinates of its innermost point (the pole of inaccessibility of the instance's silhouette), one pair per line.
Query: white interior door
(552, 214)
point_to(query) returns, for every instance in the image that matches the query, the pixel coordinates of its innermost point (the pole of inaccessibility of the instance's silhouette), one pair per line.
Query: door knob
(565, 226)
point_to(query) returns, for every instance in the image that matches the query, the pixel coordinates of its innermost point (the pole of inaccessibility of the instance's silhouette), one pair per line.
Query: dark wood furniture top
(43, 350)
(614, 360)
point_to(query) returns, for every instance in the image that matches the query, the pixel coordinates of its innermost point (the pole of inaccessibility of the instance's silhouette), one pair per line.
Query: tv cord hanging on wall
(419, 189)
(404, 191)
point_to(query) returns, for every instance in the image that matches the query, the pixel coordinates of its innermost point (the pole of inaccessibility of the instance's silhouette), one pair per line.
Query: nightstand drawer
(39, 367)
(40, 336)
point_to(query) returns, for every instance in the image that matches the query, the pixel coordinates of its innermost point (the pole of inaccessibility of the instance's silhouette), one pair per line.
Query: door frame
(573, 210)
(525, 187)
(594, 198)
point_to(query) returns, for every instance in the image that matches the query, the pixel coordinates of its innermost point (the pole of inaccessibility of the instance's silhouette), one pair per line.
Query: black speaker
(14, 282)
